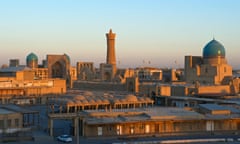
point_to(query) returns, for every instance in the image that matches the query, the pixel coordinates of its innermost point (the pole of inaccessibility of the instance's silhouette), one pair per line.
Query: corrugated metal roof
(213, 107)
(15, 69)
(19, 109)
(5, 111)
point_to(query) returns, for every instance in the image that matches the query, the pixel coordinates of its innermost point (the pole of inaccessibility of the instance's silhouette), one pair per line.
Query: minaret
(111, 58)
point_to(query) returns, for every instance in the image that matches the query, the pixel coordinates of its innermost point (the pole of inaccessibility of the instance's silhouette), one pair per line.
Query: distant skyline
(155, 33)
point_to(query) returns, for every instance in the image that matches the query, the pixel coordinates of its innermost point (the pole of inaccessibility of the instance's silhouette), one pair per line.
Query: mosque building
(32, 60)
(208, 76)
(211, 68)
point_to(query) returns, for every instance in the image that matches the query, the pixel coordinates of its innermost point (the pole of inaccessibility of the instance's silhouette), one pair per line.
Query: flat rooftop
(213, 107)
(169, 113)
(214, 100)
(141, 114)
(17, 109)
(4, 111)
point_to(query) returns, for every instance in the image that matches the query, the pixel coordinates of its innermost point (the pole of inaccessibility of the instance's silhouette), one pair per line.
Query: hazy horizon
(149, 33)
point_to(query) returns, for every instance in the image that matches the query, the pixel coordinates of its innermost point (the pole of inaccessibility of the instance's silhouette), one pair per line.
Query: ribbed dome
(32, 57)
(213, 49)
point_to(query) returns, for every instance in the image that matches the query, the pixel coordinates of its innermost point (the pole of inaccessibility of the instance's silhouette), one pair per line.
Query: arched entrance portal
(57, 70)
(107, 76)
(131, 86)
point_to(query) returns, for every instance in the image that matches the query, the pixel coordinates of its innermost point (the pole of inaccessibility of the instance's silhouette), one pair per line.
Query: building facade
(211, 68)
(152, 121)
(18, 85)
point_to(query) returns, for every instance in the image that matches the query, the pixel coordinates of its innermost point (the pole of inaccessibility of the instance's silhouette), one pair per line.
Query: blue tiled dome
(68, 58)
(32, 57)
(213, 49)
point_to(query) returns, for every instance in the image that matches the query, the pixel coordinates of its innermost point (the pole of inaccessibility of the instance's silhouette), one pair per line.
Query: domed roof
(79, 97)
(70, 102)
(213, 49)
(32, 57)
(68, 57)
(131, 98)
(4, 66)
(99, 101)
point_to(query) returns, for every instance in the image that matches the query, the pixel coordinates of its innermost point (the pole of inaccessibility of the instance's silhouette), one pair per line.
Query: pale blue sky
(160, 31)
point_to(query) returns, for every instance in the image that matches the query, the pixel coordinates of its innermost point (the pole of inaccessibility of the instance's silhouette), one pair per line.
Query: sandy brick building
(18, 85)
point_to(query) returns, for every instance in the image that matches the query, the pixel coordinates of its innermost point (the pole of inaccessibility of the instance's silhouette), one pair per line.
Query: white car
(64, 138)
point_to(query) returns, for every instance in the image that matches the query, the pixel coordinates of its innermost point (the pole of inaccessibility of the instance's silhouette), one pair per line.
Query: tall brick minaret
(111, 58)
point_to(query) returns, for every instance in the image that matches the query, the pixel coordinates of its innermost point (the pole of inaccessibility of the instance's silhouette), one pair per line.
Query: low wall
(104, 86)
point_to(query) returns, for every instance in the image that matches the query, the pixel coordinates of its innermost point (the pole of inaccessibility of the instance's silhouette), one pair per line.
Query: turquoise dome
(68, 57)
(32, 57)
(213, 49)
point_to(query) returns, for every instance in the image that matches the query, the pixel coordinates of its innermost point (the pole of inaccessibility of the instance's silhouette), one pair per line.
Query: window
(9, 121)
(225, 69)
(131, 129)
(1, 124)
(164, 126)
(175, 126)
(99, 131)
(147, 128)
(119, 129)
(16, 122)
(206, 70)
(190, 126)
